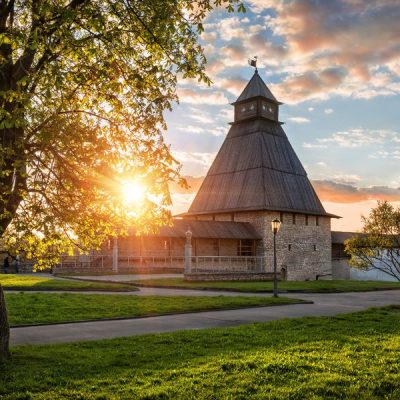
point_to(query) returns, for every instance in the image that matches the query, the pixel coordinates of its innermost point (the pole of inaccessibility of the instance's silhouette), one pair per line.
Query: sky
(336, 67)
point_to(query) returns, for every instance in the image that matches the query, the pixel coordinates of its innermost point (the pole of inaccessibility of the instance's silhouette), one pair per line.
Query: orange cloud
(328, 191)
(344, 193)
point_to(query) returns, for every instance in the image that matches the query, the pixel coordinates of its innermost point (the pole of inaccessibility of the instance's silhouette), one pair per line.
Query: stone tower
(257, 177)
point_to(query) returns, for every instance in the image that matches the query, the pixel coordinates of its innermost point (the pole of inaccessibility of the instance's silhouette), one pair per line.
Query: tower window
(281, 217)
(289, 247)
(294, 219)
(315, 247)
(306, 219)
(317, 220)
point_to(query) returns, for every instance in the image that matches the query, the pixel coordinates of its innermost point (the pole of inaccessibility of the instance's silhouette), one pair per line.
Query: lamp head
(275, 225)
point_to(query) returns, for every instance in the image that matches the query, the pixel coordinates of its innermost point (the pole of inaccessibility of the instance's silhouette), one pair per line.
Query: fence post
(188, 252)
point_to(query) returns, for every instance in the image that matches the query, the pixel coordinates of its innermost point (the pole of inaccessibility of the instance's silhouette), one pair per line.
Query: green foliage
(266, 286)
(27, 282)
(83, 88)
(379, 245)
(352, 356)
(32, 308)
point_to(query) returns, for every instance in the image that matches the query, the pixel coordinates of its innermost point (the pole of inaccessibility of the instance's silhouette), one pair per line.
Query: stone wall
(303, 248)
(340, 268)
(303, 243)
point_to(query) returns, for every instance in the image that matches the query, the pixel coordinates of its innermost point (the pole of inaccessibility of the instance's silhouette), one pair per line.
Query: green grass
(266, 286)
(31, 308)
(354, 356)
(29, 282)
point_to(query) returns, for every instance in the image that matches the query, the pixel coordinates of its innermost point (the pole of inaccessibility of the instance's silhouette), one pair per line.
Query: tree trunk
(4, 329)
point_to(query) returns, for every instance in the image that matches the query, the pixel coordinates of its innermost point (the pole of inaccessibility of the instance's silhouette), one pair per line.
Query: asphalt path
(323, 305)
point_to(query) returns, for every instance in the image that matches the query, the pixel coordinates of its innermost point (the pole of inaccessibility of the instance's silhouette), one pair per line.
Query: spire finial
(253, 62)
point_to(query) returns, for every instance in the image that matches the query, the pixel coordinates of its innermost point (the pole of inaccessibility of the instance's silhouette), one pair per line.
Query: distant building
(256, 177)
(341, 268)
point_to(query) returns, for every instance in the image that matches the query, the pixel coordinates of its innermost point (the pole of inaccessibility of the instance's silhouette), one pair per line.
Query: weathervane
(253, 62)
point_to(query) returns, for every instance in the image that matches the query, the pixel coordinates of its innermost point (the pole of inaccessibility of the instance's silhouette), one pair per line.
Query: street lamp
(275, 228)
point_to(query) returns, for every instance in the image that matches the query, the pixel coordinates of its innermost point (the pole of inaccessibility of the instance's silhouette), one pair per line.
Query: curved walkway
(324, 305)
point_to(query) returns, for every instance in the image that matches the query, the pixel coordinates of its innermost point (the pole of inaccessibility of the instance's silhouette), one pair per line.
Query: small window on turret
(315, 247)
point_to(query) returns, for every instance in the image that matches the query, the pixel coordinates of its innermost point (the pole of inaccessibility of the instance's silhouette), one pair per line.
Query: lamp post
(188, 251)
(275, 228)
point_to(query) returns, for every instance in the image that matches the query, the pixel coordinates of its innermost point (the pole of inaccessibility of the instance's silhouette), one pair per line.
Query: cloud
(234, 84)
(328, 111)
(318, 48)
(358, 138)
(192, 96)
(345, 193)
(385, 154)
(191, 129)
(349, 179)
(195, 161)
(309, 85)
(201, 116)
(314, 146)
(299, 120)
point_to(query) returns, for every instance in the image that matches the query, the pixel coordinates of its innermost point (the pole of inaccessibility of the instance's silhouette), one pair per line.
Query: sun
(133, 192)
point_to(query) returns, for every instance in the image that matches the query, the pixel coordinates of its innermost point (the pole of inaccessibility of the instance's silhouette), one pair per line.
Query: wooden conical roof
(256, 88)
(256, 169)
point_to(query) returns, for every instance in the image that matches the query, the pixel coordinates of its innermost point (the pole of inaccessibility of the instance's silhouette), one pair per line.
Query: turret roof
(256, 88)
(256, 169)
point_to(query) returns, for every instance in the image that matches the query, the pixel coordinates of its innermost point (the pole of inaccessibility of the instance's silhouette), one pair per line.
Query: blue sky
(335, 65)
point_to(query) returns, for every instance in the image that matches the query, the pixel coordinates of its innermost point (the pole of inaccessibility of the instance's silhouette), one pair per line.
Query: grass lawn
(266, 286)
(29, 282)
(354, 356)
(30, 308)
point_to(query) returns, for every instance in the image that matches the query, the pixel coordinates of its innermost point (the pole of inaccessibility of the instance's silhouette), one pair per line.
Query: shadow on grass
(349, 356)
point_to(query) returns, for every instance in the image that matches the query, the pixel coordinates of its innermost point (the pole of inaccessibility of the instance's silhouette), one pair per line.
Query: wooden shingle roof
(256, 88)
(256, 169)
(209, 229)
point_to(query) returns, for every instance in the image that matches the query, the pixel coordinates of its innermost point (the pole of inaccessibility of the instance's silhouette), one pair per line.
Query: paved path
(324, 304)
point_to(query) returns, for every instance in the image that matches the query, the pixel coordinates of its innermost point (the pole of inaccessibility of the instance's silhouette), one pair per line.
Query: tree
(379, 245)
(83, 87)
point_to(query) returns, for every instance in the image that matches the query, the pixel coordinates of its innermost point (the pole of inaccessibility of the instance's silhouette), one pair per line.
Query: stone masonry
(303, 243)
